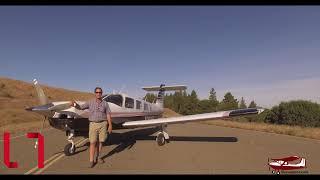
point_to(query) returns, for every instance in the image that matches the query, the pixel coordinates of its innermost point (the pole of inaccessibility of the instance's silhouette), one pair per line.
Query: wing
(291, 158)
(192, 118)
(62, 107)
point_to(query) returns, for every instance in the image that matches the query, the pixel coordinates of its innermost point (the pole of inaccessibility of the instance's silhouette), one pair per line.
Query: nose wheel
(70, 148)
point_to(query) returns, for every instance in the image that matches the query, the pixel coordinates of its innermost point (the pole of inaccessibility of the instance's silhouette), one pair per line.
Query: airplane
(126, 112)
(283, 164)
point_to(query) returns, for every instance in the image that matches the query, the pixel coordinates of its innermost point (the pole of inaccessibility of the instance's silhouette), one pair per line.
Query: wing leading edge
(192, 118)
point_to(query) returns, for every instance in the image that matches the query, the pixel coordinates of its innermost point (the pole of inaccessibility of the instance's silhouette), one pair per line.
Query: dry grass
(313, 133)
(16, 95)
(169, 113)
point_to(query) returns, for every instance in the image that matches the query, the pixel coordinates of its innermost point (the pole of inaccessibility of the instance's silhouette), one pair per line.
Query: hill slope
(16, 95)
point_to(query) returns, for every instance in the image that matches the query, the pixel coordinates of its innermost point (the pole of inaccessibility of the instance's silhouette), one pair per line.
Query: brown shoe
(91, 164)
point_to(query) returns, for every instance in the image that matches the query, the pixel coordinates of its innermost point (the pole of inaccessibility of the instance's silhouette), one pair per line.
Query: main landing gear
(162, 135)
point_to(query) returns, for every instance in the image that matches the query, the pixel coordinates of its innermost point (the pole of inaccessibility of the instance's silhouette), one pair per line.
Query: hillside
(16, 95)
(169, 113)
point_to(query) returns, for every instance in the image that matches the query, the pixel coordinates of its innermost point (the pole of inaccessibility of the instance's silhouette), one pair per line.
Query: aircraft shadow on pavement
(128, 139)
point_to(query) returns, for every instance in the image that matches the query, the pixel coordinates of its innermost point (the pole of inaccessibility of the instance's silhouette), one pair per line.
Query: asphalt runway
(194, 148)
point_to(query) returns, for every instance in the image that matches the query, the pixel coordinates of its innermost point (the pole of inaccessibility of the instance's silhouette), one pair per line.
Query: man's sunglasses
(99, 92)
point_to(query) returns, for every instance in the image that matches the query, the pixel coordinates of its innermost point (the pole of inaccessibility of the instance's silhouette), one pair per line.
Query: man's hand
(73, 104)
(109, 128)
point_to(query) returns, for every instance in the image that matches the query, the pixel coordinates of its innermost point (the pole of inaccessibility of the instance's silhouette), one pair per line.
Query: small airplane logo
(287, 163)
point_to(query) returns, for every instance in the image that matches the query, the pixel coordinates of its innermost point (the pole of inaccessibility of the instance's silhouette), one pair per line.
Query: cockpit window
(115, 99)
(129, 103)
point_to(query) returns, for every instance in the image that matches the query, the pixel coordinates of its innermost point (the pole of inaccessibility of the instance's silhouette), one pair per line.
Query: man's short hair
(97, 88)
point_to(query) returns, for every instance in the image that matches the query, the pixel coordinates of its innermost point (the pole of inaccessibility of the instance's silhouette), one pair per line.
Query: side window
(138, 104)
(145, 106)
(129, 103)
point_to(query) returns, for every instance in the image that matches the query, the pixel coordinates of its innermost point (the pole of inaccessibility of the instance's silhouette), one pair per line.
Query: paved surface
(194, 149)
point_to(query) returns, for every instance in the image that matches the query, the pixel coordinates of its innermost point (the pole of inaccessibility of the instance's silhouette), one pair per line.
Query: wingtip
(260, 110)
(29, 108)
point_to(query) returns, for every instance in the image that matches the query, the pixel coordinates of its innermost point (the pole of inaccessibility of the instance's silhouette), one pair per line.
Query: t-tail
(161, 91)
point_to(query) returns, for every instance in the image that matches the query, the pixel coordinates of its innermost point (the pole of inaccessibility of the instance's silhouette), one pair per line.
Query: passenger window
(145, 106)
(129, 103)
(138, 104)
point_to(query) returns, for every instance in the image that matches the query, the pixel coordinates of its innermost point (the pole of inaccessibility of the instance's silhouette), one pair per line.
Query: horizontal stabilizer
(166, 88)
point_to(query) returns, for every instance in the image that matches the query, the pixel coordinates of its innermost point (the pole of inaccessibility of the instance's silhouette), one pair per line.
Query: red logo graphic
(6, 140)
(287, 163)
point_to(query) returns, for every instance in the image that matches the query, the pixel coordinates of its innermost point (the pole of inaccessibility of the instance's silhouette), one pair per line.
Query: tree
(192, 104)
(206, 106)
(300, 112)
(252, 104)
(150, 97)
(212, 95)
(242, 104)
(213, 102)
(229, 102)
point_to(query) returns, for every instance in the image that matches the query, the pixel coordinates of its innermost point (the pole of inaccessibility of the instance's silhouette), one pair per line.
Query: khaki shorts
(97, 130)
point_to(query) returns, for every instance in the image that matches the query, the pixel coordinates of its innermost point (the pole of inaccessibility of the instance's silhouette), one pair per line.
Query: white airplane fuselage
(123, 108)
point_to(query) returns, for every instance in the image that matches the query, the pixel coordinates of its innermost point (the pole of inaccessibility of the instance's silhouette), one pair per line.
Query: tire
(160, 139)
(68, 151)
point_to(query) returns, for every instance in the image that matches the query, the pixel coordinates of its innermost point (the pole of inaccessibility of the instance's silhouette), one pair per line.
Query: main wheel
(68, 150)
(160, 139)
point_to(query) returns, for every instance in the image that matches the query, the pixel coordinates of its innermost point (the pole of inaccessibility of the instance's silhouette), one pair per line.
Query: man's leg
(92, 149)
(93, 142)
(102, 138)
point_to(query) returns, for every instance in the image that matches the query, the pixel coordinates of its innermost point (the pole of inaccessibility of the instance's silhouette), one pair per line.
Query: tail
(161, 91)
(42, 97)
(47, 108)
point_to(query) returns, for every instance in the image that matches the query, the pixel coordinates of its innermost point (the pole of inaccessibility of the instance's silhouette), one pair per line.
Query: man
(99, 114)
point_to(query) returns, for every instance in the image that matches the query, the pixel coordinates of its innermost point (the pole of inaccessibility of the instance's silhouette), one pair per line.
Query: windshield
(115, 99)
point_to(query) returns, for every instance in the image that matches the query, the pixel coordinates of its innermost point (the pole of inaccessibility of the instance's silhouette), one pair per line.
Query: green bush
(300, 112)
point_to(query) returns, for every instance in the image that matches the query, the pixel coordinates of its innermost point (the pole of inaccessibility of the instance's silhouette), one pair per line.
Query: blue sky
(265, 53)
